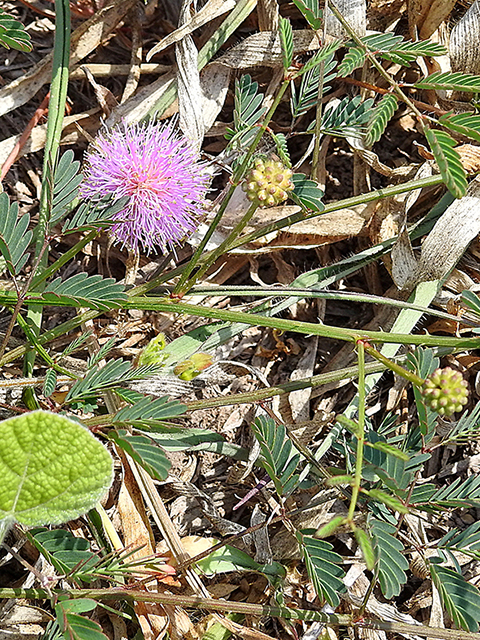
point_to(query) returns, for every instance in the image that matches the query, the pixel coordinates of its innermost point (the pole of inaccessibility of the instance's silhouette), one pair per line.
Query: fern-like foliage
(148, 413)
(347, 118)
(467, 124)
(406, 52)
(144, 451)
(306, 193)
(460, 598)
(65, 186)
(423, 362)
(306, 96)
(467, 541)
(286, 39)
(389, 551)
(382, 42)
(13, 34)
(466, 429)
(15, 238)
(353, 59)
(247, 113)
(380, 117)
(115, 373)
(280, 458)
(95, 215)
(323, 568)
(450, 81)
(448, 160)
(50, 383)
(281, 148)
(311, 11)
(82, 290)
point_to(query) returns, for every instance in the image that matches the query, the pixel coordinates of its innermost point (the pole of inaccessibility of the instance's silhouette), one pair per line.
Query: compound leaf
(74, 626)
(467, 124)
(450, 81)
(323, 568)
(63, 550)
(460, 598)
(144, 451)
(353, 59)
(310, 9)
(286, 40)
(247, 112)
(95, 214)
(280, 457)
(380, 118)
(149, 412)
(15, 238)
(306, 193)
(83, 290)
(448, 160)
(65, 185)
(392, 564)
(347, 118)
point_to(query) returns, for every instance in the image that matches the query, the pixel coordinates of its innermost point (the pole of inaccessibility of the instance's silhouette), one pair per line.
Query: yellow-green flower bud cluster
(445, 391)
(268, 183)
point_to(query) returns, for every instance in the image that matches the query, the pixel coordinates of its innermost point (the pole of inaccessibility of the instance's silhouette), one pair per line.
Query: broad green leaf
(323, 568)
(306, 193)
(52, 469)
(13, 34)
(450, 81)
(380, 118)
(75, 627)
(448, 160)
(389, 551)
(228, 559)
(144, 451)
(460, 598)
(63, 550)
(286, 40)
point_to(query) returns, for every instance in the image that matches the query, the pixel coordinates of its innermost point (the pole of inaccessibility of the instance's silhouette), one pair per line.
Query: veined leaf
(311, 11)
(323, 568)
(148, 411)
(286, 40)
(14, 236)
(144, 451)
(13, 34)
(280, 457)
(306, 193)
(114, 374)
(380, 118)
(74, 626)
(93, 292)
(247, 113)
(460, 598)
(468, 124)
(448, 160)
(63, 550)
(353, 59)
(392, 564)
(450, 81)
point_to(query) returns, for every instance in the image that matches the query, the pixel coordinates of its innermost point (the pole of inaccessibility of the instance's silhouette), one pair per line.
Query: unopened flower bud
(268, 183)
(445, 391)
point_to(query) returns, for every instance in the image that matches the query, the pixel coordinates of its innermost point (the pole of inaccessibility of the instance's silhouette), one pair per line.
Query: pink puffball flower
(159, 170)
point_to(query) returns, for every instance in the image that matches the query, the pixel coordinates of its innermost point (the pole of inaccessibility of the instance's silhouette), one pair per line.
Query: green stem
(180, 289)
(223, 247)
(360, 433)
(393, 366)
(58, 96)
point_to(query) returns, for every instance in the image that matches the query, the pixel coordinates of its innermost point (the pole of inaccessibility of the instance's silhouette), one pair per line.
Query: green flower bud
(445, 391)
(268, 183)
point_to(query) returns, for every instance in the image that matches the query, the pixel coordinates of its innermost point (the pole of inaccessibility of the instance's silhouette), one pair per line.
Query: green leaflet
(323, 568)
(380, 118)
(448, 160)
(460, 598)
(392, 564)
